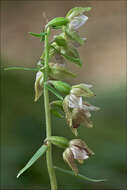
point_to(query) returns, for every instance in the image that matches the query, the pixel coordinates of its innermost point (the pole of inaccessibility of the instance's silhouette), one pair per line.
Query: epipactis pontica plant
(71, 100)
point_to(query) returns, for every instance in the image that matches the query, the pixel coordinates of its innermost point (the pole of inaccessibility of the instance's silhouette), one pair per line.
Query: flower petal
(69, 158)
(88, 107)
(75, 101)
(78, 21)
(38, 85)
(79, 154)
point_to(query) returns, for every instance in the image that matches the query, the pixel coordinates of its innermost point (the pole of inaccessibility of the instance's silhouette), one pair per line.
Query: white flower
(77, 22)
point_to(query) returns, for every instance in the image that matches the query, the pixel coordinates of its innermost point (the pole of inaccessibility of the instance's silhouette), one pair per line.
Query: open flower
(77, 112)
(77, 150)
(77, 22)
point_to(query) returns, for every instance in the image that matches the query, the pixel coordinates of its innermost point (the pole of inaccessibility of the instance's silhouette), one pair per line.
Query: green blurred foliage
(23, 131)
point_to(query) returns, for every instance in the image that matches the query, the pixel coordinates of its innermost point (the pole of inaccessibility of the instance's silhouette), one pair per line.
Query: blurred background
(22, 120)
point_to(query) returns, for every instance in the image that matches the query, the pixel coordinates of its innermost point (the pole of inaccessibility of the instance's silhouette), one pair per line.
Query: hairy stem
(48, 118)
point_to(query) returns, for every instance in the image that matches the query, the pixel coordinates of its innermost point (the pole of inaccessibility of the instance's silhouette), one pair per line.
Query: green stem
(51, 171)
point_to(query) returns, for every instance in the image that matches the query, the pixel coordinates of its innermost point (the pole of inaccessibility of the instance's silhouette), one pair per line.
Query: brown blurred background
(104, 66)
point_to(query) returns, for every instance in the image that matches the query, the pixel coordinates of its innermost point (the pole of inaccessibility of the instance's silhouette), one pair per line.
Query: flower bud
(58, 71)
(61, 142)
(62, 87)
(76, 11)
(82, 90)
(58, 21)
(38, 85)
(60, 40)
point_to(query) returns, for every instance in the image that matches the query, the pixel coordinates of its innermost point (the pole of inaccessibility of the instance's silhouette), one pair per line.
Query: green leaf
(56, 22)
(79, 175)
(37, 155)
(56, 113)
(61, 86)
(57, 27)
(40, 35)
(57, 103)
(53, 91)
(76, 11)
(21, 68)
(73, 59)
(57, 108)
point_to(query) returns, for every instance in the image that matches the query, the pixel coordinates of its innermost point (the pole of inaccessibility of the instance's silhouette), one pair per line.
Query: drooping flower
(77, 22)
(77, 150)
(77, 112)
(38, 85)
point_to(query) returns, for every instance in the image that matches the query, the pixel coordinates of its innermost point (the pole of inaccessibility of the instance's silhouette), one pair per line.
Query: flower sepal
(82, 90)
(57, 22)
(76, 11)
(39, 83)
(75, 38)
(58, 71)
